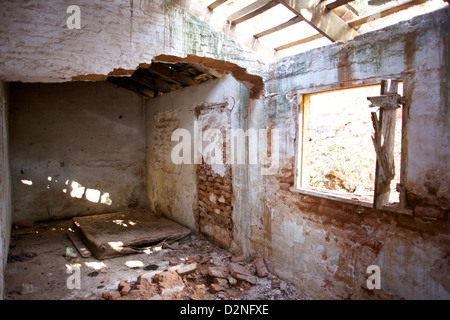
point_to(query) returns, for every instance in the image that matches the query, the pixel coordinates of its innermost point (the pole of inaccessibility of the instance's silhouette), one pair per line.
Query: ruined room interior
(224, 150)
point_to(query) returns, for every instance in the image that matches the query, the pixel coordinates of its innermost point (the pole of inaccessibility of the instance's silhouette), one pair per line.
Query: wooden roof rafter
(279, 27)
(383, 13)
(215, 4)
(248, 12)
(326, 22)
(299, 42)
(252, 10)
(335, 20)
(337, 3)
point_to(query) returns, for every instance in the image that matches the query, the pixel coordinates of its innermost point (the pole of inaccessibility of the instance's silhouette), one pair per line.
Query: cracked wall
(76, 149)
(325, 246)
(5, 182)
(174, 189)
(322, 246)
(128, 33)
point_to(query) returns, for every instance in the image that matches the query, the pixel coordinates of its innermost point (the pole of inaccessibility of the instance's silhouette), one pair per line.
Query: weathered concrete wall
(172, 188)
(116, 36)
(5, 183)
(325, 246)
(76, 149)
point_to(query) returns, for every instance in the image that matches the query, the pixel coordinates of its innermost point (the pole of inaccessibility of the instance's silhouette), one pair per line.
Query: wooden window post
(383, 139)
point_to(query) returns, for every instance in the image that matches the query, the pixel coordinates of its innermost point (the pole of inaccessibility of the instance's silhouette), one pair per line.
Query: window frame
(302, 145)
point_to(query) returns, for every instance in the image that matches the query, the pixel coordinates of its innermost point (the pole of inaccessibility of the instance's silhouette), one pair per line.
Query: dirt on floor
(40, 266)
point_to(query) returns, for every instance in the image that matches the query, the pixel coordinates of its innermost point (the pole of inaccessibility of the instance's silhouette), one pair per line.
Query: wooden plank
(82, 249)
(147, 92)
(385, 134)
(246, 10)
(383, 13)
(385, 168)
(386, 101)
(130, 84)
(305, 112)
(279, 27)
(164, 70)
(403, 154)
(208, 71)
(299, 42)
(337, 3)
(327, 23)
(256, 12)
(333, 196)
(143, 77)
(147, 79)
(215, 4)
(114, 234)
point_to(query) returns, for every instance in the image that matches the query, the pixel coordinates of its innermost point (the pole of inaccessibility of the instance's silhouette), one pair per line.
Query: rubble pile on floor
(195, 271)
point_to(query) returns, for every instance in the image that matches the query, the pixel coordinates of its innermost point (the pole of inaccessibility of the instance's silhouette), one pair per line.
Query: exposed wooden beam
(147, 79)
(337, 3)
(165, 71)
(288, 23)
(327, 23)
(384, 140)
(144, 77)
(256, 12)
(166, 78)
(299, 42)
(130, 84)
(246, 10)
(211, 72)
(215, 4)
(383, 13)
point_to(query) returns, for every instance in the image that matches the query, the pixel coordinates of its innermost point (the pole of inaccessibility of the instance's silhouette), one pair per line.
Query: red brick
(232, 281)
(261, 269)
(218, 272)
(221, 281)
(246, 277)
(122, 284)
(187, 269)
(236, 268)
(114, 295)
(216, 288)
(125, 289)
(106, 295)
(238, 259)
(240, 273)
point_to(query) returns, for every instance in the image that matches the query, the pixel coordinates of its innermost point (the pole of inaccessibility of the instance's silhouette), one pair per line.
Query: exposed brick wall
(323, 246)
(214, 204)
(214, 184)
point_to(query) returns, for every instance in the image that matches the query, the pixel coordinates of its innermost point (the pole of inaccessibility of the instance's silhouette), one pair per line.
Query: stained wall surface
(172, 188)
(115, 37)
(5, 183)
(76, 149)
(323, 246)
(326, 246)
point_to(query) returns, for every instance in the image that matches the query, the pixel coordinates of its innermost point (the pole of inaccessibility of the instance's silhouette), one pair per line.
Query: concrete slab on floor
(115, 234)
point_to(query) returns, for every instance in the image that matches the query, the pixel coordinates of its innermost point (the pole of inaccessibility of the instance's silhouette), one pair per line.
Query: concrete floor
(37, 268)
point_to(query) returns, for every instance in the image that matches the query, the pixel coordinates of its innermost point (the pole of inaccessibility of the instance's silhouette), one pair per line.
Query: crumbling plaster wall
(76, 148)
(116, 37)
(5, 183)
(172, 188)
(325, 246)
